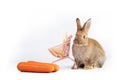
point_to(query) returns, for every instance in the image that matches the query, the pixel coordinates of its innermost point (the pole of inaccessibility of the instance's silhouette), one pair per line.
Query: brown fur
(87, 52)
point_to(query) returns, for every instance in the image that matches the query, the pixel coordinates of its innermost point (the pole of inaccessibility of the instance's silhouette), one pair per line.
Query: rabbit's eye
(84, 36)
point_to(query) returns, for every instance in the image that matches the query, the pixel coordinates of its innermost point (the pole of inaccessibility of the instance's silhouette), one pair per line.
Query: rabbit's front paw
(94, 65)
(88, 67)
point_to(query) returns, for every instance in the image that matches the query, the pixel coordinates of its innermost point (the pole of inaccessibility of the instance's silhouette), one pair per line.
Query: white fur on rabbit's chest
(80, 52)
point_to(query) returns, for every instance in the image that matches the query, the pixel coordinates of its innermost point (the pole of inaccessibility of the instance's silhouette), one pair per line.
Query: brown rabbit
(87, 52)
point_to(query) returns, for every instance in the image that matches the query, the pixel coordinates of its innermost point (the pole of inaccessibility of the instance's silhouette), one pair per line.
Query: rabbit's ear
(86, 26)
(78, 24)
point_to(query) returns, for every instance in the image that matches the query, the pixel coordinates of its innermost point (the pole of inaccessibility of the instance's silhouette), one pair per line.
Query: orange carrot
(27, 67)
(56, 67)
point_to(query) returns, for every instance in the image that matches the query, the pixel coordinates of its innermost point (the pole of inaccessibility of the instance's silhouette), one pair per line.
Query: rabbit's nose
(80, 41)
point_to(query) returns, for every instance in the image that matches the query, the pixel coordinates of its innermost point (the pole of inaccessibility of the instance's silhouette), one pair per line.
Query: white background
(29, 27)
